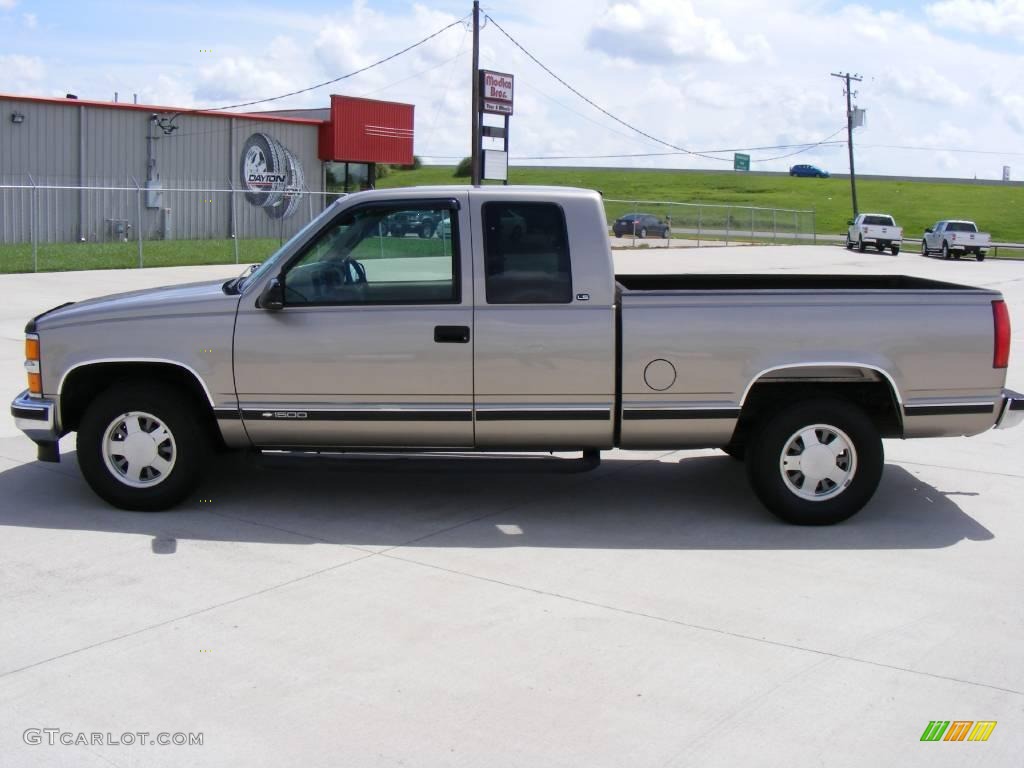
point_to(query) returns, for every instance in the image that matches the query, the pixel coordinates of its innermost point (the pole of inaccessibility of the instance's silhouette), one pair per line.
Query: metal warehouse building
(93, 171)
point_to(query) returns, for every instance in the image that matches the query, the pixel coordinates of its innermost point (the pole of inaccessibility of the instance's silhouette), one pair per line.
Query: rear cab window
(526, 254)
(881, 221)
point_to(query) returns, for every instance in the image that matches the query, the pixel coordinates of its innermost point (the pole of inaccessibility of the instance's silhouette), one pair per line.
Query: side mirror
(850, 222)
(272, 298)
(928, 231)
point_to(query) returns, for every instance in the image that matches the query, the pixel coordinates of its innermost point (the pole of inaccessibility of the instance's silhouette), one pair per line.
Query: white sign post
(496, 92)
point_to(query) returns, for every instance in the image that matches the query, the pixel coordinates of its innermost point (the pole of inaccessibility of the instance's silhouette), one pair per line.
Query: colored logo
(958, 730)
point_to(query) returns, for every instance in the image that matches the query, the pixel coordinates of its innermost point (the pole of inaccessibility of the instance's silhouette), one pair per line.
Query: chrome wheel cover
(818, 462)
(138, 449)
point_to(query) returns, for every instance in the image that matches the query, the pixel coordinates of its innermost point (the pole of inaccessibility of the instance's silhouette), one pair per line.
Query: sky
(938, 75)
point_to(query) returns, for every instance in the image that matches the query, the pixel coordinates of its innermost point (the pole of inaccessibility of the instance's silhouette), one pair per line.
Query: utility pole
(476, 172)
(849, 130)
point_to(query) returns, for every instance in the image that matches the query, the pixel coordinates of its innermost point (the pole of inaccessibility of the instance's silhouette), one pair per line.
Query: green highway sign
(740, 162)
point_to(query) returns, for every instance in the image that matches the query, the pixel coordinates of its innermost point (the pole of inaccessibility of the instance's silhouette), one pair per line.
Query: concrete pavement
(439, 612)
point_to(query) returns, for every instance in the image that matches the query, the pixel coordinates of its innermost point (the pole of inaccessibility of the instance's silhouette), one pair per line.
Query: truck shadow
(697, 502)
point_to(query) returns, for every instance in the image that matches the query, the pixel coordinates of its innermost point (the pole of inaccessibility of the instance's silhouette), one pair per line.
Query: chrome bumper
(36, 417)
(1011, 412)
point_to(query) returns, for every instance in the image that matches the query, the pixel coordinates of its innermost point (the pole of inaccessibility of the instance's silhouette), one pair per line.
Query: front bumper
(37, 418)
(1011, 412)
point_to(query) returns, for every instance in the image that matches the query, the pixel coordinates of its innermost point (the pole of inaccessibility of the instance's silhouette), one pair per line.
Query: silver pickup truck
(507, 329)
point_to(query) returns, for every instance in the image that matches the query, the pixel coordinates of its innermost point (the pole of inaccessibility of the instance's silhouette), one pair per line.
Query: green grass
(62, 257)
(915, 204)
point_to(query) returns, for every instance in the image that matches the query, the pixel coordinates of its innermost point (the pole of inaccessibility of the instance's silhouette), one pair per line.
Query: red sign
(496, 92)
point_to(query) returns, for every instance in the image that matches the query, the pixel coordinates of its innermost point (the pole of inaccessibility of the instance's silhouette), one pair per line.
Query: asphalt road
(385, 612)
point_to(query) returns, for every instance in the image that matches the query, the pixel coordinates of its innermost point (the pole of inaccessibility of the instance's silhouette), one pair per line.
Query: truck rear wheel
(945, 250)
(860, 244)
(816, 463)
(895, 250)
(981, 256)
(141, 447)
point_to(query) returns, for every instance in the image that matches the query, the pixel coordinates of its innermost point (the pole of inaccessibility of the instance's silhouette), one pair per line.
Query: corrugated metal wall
(202, 154)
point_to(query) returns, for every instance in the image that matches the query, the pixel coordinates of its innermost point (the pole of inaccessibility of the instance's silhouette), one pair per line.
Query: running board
(587, 461)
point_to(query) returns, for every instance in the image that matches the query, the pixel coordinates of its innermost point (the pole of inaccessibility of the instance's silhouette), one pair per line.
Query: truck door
(374, 344)
(544, 352)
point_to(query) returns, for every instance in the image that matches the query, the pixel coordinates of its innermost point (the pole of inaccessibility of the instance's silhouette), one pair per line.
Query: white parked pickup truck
(512, 332)
(878, 229)
(954, 239)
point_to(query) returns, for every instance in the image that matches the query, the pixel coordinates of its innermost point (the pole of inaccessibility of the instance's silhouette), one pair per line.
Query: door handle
(451, 334)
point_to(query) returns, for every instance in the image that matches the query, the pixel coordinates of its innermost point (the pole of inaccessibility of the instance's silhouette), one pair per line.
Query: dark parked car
(421, 223)
(808, 170)
(640, 224)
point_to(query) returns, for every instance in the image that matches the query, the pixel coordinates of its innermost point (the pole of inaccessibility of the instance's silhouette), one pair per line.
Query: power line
(594, 104)
(805, 145)
(826, 141)
(335, 79)
(630, 126)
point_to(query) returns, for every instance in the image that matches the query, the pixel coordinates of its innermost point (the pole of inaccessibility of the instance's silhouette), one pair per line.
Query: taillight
(35, 379)
(1001, 320)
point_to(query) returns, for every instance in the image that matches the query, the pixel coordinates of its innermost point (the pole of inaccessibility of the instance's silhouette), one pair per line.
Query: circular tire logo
(272, 176)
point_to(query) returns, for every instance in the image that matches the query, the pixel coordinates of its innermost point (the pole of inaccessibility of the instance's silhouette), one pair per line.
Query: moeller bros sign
(496, 92)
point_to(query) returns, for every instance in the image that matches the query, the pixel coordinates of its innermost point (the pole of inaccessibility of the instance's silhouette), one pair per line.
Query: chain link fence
(660, 223)
(50, 227)
(45, 227)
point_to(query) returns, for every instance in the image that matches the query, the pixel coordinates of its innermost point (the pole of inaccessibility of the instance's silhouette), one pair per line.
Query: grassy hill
(915, 204)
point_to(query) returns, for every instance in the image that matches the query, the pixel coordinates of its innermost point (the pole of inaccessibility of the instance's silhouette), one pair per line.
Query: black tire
(176, 411)
(981, 256)
(945, 250)
(924, 248)
(261, 154)
(643, 232)
(425, 231)
(736, 451)
(895, 250)
(880, 247)
(860, 245)
(849, 242)
(765, 454)
(618, 234)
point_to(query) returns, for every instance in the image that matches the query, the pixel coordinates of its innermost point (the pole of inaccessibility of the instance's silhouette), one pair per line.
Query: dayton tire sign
(272, 176)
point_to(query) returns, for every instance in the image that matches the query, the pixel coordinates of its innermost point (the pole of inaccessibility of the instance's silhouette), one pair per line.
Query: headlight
(35, 379)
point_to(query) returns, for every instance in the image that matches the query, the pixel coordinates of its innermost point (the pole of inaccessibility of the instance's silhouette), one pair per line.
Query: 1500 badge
(285, 415)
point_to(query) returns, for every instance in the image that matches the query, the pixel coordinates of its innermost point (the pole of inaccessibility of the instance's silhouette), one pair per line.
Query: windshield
(250, 274)
(881, 221)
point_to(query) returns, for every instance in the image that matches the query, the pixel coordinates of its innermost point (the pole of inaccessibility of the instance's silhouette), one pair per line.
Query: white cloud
(923, 84)
(30, 20)
(666, 31)
(1011, 105)
(992, 17)
(6, 5)
(22, 73)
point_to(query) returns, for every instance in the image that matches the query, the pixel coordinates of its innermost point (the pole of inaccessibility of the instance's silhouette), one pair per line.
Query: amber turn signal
(31, 348)
(35, 384)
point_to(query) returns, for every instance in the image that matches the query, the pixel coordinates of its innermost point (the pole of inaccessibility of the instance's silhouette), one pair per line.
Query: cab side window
(380, 255)
(526, 254)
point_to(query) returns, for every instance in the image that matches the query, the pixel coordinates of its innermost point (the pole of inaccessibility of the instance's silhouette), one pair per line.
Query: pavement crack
(704, 628)
(183, 616)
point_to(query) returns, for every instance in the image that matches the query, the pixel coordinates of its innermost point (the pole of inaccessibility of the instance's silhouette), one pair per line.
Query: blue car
(808, 170)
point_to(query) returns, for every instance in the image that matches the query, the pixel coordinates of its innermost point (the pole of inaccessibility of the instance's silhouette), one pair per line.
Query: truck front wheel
(141, 447)
(816, 463)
